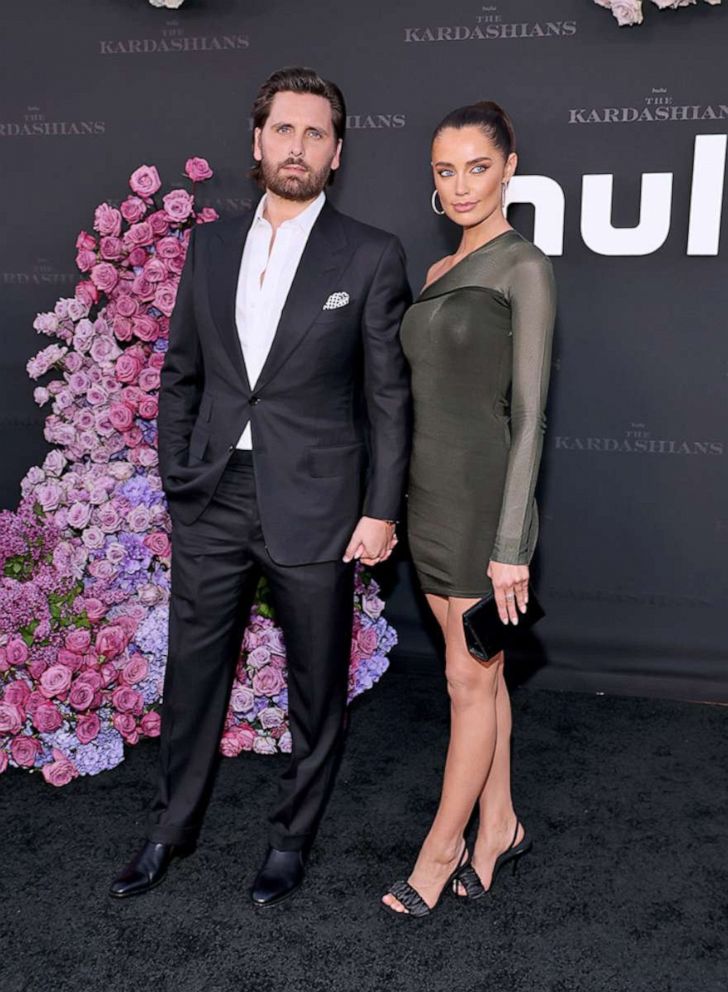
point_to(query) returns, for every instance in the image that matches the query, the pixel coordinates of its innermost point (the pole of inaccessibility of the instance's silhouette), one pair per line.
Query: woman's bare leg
(497, 816)
(472, 688)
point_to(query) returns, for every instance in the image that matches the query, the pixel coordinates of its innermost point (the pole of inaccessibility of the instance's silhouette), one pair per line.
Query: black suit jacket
(330, 411)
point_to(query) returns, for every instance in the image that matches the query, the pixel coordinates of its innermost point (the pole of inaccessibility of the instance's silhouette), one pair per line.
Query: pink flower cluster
(84, 561)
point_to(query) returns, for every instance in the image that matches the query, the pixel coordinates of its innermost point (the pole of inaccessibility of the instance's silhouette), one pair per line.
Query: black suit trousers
(216, 564)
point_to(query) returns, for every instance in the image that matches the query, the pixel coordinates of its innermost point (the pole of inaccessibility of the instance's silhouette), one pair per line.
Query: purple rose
(268, 681)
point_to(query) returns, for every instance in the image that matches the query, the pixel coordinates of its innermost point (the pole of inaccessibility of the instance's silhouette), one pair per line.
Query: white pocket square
(336, 300)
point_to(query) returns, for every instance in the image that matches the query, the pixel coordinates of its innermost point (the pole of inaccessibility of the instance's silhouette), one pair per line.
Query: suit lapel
(322, 260)
(226, 254)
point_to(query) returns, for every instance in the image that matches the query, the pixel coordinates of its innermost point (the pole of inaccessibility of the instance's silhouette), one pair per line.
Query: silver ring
(510, 595)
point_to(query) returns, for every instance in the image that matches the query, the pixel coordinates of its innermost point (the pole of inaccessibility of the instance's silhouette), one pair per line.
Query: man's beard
(303, 186)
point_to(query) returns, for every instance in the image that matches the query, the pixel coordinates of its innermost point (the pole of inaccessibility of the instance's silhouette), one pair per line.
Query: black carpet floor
(626, 889)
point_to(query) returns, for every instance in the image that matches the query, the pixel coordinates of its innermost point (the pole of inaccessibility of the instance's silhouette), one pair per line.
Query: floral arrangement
(85, 559)
(629, 12)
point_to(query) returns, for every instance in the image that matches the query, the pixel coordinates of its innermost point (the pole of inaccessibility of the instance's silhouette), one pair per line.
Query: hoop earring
(432, 201)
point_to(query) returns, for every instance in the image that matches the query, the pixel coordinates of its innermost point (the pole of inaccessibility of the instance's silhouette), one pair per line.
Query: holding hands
(372, 542)
(510, 585)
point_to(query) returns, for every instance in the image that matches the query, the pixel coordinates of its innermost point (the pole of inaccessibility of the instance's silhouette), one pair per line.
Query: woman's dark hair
(489, 117)
(297, 79)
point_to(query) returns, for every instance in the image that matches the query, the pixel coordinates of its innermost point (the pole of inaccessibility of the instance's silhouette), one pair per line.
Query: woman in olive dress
(478, 340)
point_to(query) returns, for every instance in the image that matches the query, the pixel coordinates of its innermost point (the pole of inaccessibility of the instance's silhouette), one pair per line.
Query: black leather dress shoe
(147, 869)
(280, 876)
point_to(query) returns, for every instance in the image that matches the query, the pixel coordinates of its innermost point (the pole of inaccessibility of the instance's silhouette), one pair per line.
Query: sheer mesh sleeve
(532, 293)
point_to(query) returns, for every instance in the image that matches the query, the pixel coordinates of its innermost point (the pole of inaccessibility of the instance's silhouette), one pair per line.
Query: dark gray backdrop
(633, 490)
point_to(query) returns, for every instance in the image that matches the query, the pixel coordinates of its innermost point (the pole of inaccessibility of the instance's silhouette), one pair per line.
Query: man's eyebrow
(282, 123)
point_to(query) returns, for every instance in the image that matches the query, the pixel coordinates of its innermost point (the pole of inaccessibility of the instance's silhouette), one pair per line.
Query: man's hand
(372, 541)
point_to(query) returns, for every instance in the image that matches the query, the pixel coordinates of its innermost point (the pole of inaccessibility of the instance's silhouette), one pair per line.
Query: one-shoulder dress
(478, 341)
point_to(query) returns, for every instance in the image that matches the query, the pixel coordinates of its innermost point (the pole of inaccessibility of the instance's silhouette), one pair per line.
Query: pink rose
(168, 248)
(367, 640)
(124, 723)
(139, 234)
(237, 739)
(197, 169)
(178, 205)
(112, 249)
(86, 292)
(104, 276)
(137, 256)
(78, 640)
(70, 659)
(125, 305)
(11, 718)
(47, 717)
(111, 641)
(158, 543)
(160, 223)
(133, 209)
(78, 515)
(36, 667)
(107, 220)
(121, 416)
(127, 367)
(149, 378)
(24, 750)
(87, 727)
(164, 297)
(127, 700)
(85, 260)
(17, 651)
(145, 181)
(81, 695)
(17, 693)
(55, 681)
(85, 240)
(271, 717)
(268, 681)
(155, 270)
(207, 214)
(148, 407)
(135, 670)
(61, 771)
(151, 724)
(95, 609)
(145, 328)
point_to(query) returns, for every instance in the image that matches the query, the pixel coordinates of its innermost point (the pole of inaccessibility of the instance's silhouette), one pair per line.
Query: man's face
(297, 147)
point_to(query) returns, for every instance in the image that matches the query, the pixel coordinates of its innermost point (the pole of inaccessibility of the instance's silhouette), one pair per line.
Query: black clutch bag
(485, 632)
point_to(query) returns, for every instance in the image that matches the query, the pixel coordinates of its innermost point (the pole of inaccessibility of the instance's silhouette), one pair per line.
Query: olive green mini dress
(478, 341)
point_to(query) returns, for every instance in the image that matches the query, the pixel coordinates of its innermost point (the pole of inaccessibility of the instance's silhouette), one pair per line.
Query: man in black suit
(284, 427)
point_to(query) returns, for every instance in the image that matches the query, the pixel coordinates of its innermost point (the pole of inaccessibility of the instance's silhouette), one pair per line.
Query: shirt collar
(303, 221)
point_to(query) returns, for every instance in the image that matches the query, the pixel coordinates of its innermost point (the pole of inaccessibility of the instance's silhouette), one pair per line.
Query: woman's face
(468, 171)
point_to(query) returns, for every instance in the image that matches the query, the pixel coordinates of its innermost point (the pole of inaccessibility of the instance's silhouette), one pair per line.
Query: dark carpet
(626, 889)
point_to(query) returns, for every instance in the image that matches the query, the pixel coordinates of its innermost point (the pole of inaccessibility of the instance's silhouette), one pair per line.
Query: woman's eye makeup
(476, 170)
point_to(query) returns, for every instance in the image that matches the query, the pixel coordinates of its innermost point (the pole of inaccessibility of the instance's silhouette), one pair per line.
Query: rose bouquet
(84, 561)
(629, 12)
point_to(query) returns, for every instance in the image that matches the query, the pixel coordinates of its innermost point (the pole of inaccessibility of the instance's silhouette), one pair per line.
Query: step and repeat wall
(622, 152)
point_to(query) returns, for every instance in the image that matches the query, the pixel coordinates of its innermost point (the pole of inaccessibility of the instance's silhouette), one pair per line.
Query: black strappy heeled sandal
(410, 898)
(469, 878)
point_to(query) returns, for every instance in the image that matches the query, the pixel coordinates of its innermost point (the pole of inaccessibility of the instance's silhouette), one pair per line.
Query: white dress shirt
(258, 305)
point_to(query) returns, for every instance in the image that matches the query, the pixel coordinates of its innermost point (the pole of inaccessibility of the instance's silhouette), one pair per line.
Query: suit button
(254, 400)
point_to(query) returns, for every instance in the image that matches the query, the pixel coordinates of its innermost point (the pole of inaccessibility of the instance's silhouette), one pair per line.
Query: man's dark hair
(297, 79)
